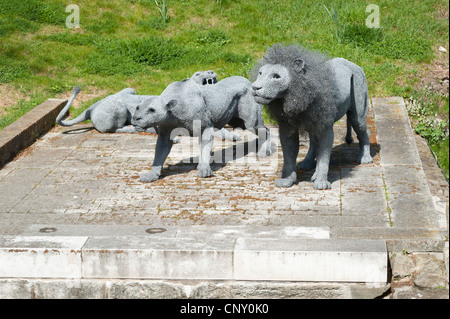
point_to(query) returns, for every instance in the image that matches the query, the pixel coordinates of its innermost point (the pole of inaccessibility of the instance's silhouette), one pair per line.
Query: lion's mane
(310, 102)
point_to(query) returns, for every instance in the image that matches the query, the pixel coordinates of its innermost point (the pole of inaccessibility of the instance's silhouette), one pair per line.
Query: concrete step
(298, 254)
(194, 231)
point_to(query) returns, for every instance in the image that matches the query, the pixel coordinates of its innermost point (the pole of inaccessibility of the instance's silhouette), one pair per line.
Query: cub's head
(204, 77)
(152, 112)
(272, 83)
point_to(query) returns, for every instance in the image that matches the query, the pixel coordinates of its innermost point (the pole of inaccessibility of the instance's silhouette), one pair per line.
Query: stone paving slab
(72, 177)
(93, 178)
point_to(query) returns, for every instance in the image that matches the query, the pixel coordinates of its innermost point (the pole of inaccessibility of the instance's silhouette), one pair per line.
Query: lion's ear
(299, 65)
(170, 105)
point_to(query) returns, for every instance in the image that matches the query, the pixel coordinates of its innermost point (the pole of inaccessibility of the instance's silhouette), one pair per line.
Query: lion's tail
(82, 117)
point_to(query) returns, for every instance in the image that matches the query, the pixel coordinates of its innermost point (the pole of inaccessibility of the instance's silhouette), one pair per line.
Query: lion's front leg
(206, 144)
(163, 147)
(308, 162)
(324, 146)
(290, 145)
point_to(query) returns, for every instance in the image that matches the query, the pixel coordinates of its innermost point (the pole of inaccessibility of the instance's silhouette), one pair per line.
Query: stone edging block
(23, 132)
(137, 257)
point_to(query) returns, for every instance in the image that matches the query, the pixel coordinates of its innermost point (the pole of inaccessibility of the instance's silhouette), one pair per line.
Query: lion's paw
(286, 182)
(176, 140)
(322, 184)
(264, 152)
(205, 171)
(366, 159)
(150, 177)
(283, 182)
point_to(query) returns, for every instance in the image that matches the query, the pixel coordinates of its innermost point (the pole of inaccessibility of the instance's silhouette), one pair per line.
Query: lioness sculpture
(113, 113)
(305, 91)
(200, 109)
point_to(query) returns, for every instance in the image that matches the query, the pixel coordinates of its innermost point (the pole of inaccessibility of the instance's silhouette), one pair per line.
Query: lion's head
(152, 111)
(289, 72)
(290, 80)
(272, 83)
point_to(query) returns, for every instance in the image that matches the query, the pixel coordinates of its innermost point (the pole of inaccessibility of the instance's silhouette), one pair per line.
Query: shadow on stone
(79, 130)
(225, 155)
(342, 155)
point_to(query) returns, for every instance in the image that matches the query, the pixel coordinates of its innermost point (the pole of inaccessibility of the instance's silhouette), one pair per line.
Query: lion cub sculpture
(113, 113)
(200, 110)
(305, 91)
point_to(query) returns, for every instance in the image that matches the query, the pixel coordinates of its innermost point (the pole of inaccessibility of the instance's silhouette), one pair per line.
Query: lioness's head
(274, 80)
(204, 77)
(151, 112)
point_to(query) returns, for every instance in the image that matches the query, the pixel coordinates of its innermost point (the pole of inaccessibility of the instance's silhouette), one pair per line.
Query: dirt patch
(435, 77)
(210, 22)
(9, 96)
(85, 95)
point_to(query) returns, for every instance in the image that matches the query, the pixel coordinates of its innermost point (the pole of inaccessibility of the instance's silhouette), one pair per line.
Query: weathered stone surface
(410, 292)
(446, 260)
(158, 289)
(269, 290)
(68, 289)
(120, 289)
(153, 258)
(15, 289)
(402, 265)
(41, 256)
(430, 271)
(311, 260)
(87, 179)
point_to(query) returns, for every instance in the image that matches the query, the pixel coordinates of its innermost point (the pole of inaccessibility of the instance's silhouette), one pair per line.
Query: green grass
(429, 112)
(126, 43)
(18, 110)
(440, 149)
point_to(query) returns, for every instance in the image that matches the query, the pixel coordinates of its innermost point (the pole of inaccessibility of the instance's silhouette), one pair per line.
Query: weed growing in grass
(213, 37)
(423, 108)
(163, 7)
(339, 26)
(431, 121)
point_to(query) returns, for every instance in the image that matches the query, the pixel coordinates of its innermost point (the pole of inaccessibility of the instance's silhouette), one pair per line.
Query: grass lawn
(126, 43)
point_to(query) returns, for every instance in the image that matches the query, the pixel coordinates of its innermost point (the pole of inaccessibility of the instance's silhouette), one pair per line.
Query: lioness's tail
(82, 117)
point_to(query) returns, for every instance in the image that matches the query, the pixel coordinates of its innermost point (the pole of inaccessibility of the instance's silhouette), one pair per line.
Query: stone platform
(76, 222)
